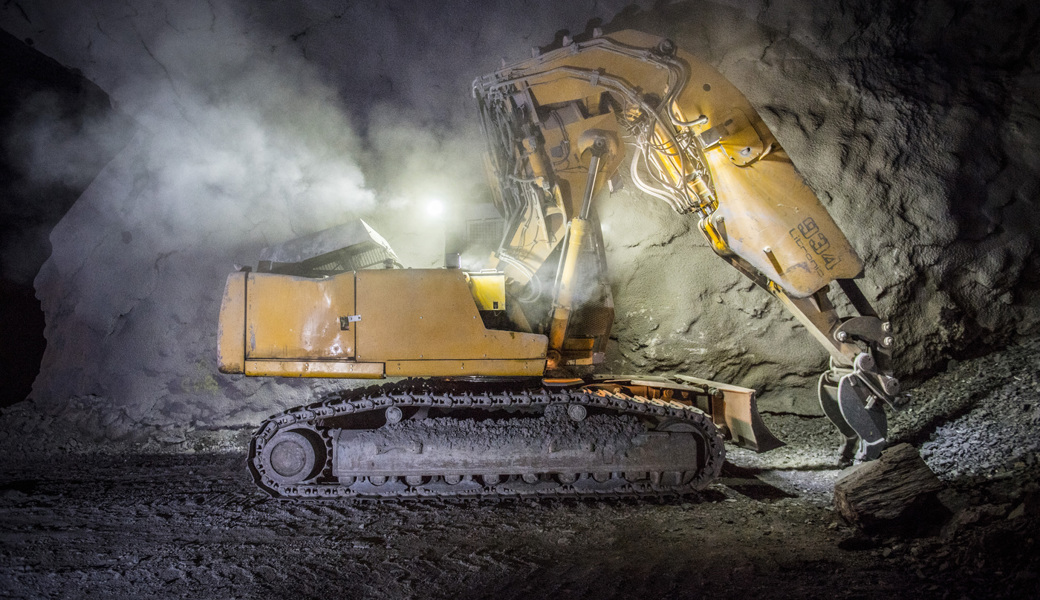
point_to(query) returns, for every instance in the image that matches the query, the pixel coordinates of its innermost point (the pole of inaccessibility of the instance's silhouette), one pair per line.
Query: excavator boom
(557, 126)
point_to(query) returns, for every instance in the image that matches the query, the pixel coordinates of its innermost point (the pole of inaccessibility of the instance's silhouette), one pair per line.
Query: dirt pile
(978, 420)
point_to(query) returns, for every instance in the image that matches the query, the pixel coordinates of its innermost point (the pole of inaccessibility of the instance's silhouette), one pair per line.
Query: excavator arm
(558, 126)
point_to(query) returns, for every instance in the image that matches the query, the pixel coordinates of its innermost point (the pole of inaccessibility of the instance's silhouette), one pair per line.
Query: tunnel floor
(184, 524)
(193, 526)
(175, 526)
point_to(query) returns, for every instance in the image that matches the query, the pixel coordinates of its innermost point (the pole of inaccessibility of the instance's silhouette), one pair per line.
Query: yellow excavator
(499, 393)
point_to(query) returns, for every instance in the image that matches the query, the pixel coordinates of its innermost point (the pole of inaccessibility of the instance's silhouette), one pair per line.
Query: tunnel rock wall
(917, 127)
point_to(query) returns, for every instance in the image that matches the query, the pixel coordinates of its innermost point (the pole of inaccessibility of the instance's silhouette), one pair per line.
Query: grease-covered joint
(665, 47)
(869, 330)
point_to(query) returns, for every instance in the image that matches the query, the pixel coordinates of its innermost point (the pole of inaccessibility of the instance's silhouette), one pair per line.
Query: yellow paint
(488, 289)
(299, 318)
(754, 187)
(231, 340)
(767, 205)
(732, 407)
(464, 368)
(428, 319)
(423, 322)
(427, 322)
(741, 144)
(544, 226)
(565, 293)
(763, 202)
(286, 368)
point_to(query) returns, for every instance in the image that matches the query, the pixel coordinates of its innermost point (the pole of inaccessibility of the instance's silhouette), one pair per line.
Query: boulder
(896, 492)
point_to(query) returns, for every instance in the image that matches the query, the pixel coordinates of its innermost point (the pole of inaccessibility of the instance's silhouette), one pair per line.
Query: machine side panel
(231, 339)
(462, 368)
(300, 318)
(430, 315)
(327, 368)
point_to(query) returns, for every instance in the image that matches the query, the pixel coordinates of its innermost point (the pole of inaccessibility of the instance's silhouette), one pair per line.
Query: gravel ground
(979, 420)
(179, 525)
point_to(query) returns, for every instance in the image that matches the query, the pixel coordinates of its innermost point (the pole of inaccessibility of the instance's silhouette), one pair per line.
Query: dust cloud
(254, 123)
(226, 133)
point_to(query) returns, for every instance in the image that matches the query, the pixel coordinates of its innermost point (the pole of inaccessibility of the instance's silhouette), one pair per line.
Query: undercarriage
(460, 439)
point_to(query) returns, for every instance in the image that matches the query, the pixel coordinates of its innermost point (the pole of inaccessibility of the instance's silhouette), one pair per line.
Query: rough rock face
(259, 122)
(248, 119)
(918, 129)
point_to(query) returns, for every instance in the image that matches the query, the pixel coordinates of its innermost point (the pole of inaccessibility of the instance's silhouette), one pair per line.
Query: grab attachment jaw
(852, 398)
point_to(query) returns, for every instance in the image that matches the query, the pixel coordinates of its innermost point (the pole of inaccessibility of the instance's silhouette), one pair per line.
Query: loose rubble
(89, 524)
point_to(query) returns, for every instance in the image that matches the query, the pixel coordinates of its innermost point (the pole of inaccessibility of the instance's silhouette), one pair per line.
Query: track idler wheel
(293, 456)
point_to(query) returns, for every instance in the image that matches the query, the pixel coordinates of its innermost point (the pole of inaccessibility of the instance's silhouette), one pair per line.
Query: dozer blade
(738, 412)
(733, 409)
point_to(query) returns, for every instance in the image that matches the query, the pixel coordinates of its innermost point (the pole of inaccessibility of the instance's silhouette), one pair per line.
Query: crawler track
(468, 406)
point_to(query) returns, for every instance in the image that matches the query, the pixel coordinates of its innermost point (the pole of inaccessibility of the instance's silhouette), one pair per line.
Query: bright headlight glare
(434, 207)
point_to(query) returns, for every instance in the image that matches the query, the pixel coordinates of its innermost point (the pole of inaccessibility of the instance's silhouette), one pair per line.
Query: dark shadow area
(21, 342)
(744, 481)
(41, 103)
